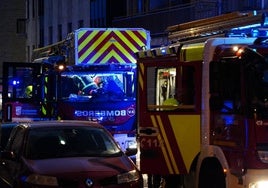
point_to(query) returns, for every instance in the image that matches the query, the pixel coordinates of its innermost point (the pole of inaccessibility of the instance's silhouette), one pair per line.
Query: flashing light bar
(15, 82)
(261, 32)
(248, 32)
(108, 67)
(247, 27)
(162, 51)
(252, 30)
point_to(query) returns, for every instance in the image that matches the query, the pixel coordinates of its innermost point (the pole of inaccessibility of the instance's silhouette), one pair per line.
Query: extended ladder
(53, 49)
(201, 30)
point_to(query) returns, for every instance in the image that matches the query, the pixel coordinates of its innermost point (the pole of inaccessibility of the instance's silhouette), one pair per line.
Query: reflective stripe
(44, 104)
(163, 148)
(141, 75)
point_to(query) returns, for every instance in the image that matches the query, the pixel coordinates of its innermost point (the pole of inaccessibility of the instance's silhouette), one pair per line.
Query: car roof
(53, 123)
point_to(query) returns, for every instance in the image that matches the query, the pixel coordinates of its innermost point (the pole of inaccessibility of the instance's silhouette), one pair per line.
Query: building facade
(12, 34)
(50, 21)
(37, 23)
(13, 31)
(30, 24)
(156, 16)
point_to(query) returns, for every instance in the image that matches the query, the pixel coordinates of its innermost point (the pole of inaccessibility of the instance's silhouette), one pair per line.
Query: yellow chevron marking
(109, 55)
(162, 129)
(94, 46)
(123, 38)
(134, 37)
(187, 132)
(86, 41)
(143, 34)
(108, 44)
(124, 51)
(162, 146)
(104, 48)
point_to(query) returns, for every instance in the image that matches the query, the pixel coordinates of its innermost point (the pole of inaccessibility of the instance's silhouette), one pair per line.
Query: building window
(41, 8)
(27, 9)
(50, 35)
(69, 27)
(21, 26)
(41, 38)
(33, 9)
(59, 32)
(28, 54)
(80, 23)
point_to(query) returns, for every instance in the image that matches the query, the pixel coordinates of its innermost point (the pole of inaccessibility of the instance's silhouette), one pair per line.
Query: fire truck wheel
(211, 174)
(154, 181)
(168, 181)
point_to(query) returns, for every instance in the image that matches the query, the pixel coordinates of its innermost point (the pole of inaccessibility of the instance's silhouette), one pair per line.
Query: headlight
(128, 177)
(41, 180)
(259, 184)
(263, 155)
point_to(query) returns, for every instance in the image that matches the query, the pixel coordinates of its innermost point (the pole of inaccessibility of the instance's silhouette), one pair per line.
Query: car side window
(16, 140)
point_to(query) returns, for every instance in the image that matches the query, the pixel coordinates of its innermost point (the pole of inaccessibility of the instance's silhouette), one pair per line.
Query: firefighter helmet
(29, 91)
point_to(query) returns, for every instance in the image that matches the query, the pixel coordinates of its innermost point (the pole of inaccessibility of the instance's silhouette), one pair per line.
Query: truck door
(169, 115)
(22, 91)
(238, 95)
(227, 124)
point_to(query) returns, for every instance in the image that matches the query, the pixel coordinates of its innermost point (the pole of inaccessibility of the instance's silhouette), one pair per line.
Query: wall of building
(33, 16)
(54, 20)
(49, 21)
(12, 35)
(12, 32)
(62, 17)
(156, 16)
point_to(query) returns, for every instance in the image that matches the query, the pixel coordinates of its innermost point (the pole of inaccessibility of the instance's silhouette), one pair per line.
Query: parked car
(65, 154)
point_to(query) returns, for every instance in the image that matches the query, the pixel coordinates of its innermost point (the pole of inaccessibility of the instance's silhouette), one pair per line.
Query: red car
(65, 154)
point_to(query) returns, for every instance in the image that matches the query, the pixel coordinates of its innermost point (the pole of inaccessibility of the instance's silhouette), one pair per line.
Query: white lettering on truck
(101, 113)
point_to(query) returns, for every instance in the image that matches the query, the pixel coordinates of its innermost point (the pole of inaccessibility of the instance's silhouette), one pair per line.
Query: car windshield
(86, 86)
(70, 142)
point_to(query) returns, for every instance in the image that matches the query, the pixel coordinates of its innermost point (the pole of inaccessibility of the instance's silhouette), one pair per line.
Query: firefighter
(28, 91)
(93, 88)
(98, 85)
(164, 88)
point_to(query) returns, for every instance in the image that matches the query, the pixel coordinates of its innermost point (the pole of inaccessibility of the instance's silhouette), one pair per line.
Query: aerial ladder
(218, 26)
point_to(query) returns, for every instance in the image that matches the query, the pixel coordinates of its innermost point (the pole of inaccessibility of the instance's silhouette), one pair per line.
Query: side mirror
(131, 151)
(265, 76)
(8, 155)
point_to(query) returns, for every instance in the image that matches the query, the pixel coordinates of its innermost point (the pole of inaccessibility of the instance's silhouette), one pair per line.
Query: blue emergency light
(15, 82)
(253, 30)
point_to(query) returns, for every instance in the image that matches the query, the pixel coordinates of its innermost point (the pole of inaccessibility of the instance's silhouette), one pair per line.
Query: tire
(154, 181)
(211, 174)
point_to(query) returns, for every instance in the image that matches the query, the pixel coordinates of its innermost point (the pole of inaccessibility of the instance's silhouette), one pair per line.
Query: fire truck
(91, 75)
(203, 105)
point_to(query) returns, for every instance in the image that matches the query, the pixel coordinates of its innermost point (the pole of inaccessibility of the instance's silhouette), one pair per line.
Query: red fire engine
(90, 75)
(203, 107)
